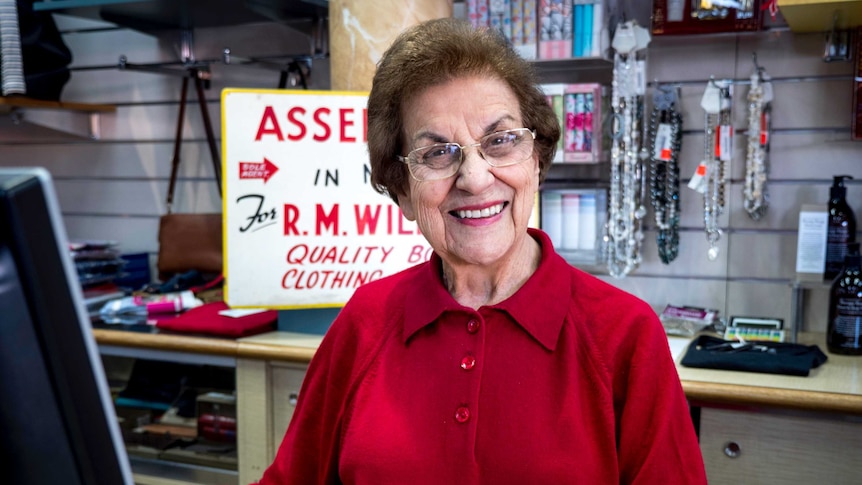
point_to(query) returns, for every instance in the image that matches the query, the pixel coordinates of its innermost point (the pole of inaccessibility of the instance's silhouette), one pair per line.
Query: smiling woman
(494, 361)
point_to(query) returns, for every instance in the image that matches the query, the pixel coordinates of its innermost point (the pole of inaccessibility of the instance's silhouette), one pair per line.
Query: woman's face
(480, 214)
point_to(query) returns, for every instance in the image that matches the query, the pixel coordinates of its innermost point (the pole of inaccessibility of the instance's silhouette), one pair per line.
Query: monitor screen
(57, 422)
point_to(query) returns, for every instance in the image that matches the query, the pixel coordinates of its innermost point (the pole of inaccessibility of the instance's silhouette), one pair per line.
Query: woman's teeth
(476, 214)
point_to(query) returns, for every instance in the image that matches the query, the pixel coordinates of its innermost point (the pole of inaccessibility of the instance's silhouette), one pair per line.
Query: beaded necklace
(717, 155)
(623, 232)
(755, 195)
(665, 142)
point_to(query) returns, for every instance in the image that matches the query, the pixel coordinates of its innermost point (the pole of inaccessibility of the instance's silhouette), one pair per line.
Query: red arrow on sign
(257, 170)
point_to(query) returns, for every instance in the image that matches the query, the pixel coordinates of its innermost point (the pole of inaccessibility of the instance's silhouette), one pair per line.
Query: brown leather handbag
(190, 241)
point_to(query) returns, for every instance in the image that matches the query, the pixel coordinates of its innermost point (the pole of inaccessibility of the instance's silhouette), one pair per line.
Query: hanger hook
(757, 66)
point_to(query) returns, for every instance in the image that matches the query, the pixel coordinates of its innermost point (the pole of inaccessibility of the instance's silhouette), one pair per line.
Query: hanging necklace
(718, 137)
(666, 142)
(755, 195)
(623, 232)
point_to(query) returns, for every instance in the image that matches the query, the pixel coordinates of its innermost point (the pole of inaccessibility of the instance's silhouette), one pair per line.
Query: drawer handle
(292, 398)
(732, 449)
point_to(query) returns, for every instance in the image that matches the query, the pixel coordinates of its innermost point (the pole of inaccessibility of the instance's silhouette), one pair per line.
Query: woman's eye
(502, 139)
(436, 153)
(439, 156)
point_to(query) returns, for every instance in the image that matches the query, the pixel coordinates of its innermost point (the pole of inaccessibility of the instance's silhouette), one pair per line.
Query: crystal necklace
(718, 138)
(755, 195)
(665, 142)
(623, 232)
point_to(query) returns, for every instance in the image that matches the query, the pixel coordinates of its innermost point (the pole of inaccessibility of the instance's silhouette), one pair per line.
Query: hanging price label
(724, 145)
(698, 180)
(662, 149)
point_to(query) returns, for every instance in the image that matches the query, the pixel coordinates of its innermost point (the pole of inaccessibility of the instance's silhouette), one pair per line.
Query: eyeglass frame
(405, 159)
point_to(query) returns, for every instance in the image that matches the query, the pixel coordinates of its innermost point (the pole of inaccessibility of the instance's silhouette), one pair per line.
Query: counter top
(834, 387)
(288, 346)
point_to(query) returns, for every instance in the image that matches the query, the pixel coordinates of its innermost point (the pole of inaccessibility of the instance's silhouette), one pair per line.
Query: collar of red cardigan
(539, 306)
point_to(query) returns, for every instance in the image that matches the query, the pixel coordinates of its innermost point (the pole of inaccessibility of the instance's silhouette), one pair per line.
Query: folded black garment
(766, 357)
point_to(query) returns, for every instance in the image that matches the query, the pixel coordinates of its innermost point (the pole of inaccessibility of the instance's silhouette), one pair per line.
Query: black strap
(178, 138)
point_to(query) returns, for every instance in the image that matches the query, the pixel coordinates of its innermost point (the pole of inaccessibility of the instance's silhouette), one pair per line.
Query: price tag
(724, 147)
(698, 180)
(662, 150)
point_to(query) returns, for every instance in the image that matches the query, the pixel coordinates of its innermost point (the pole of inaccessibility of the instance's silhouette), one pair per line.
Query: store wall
(114, 188)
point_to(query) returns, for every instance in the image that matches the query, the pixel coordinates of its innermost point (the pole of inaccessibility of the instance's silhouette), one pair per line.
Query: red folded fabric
(205, 319)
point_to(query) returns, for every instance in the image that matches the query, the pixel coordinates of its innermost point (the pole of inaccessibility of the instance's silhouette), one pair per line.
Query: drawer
(763, 447)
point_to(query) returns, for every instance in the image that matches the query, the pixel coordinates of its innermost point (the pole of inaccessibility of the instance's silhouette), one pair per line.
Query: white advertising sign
(303, 227)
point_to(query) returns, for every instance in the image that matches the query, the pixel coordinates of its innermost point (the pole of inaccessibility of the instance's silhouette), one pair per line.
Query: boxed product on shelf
(546, 29)
(671, 17)
(555, 29)
(574, 220)
(578, 108)
(516, 19)
(216, 412)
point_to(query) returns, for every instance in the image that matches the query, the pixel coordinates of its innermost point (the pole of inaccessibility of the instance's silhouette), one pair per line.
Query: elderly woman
(495, 362)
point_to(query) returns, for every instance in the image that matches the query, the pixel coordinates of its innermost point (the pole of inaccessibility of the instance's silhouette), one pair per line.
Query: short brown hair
(433, 53)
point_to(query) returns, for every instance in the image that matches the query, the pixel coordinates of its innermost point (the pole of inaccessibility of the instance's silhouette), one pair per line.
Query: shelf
(152, 471)
(574, 70)
(8, 104)
(818, 15)
(156, 15)
(580, 174)
(15, 106)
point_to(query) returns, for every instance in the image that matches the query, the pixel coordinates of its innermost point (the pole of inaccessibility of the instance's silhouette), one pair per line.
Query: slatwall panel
(810, 143)
(114, 188)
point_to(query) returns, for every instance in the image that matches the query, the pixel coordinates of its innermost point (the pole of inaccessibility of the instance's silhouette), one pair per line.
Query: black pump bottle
(841, 228)
(844, 328)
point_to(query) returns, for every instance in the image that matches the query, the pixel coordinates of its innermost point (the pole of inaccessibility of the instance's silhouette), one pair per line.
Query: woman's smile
(485, 213)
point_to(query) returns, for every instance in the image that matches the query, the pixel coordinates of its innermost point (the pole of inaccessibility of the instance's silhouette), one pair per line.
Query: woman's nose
(474, 174)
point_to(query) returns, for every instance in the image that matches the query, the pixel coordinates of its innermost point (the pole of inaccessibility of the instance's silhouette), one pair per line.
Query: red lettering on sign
(366, 220)
(327, 131)
(268, 118)
(327, 221)
(320, 124)
(291, 117)
(291, 214)
(345, 123)
(365, 125)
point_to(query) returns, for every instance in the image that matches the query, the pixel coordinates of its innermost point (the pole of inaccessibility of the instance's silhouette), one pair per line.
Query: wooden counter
(280, 346)
(835, 387)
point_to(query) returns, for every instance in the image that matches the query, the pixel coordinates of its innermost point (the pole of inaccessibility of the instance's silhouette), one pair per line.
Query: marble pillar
(361, 30)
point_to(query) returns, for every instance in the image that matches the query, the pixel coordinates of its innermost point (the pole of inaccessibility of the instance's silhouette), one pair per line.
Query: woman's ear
(406, 206)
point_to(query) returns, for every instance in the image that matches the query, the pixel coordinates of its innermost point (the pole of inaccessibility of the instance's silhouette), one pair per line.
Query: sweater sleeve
(656, 438)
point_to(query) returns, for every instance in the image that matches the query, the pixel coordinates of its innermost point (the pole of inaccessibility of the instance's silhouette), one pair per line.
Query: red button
(473, 326)
(462, 414)
(468, 362)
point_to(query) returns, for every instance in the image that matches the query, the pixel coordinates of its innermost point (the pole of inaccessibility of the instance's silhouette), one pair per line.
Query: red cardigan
(570, 380)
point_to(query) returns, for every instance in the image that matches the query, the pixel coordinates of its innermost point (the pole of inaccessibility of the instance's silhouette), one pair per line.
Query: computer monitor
(57, 422)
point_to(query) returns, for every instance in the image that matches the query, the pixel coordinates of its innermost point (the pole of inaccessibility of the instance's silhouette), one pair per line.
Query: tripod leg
(209, 129)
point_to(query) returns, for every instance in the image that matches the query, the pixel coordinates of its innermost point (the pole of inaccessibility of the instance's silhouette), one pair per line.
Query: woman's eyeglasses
(442, 160)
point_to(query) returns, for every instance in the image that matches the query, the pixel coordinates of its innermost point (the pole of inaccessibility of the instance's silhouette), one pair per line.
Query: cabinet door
(266, 397)
(762, 447)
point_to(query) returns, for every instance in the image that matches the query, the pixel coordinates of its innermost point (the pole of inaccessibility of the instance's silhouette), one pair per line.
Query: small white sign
(303, 228)
(811, 240)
